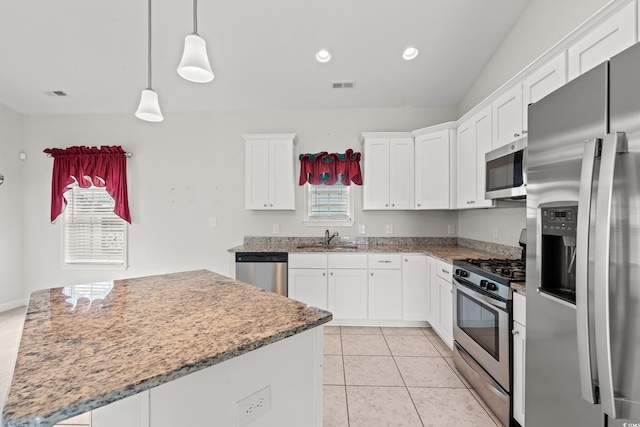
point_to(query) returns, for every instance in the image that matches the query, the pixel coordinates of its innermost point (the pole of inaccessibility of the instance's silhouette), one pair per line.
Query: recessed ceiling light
(323, 55)
(410, 53)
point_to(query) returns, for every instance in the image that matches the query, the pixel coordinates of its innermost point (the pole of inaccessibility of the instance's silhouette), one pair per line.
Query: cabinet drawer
(347, 260)
(385, 261)
(444, 270)
(520, 308)
(307, 261)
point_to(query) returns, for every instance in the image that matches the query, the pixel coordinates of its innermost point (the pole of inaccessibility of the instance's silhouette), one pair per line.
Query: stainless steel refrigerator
(583, 242)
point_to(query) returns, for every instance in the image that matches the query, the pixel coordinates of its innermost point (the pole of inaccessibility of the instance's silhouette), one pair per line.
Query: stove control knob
(483, 284)
(462, 273)
(492, 287)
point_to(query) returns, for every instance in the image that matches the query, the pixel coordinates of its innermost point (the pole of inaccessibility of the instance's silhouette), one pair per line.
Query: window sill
(344, 223)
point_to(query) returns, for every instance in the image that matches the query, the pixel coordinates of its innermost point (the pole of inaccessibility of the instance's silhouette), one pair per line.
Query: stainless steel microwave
(506, 171)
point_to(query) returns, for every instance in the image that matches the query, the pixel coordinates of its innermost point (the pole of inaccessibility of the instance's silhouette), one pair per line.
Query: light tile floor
(395, 377)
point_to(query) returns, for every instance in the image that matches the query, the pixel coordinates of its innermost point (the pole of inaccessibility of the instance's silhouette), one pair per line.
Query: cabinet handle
(514, 332)
(324, 274)
(384, 261)
(265, 205)
(524, 132)
(386, 205)
(271, 205)
(372, 274)
(516, 135)
(445, 271)
(331, 274)
(418, 204)
(406, 260)
(470, 202)
(393, 204)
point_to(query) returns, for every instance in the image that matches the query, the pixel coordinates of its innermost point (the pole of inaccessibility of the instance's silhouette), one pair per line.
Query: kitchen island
(167, 350)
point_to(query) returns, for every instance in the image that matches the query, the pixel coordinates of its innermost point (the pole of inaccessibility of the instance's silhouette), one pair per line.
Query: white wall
(541, 25)
(190, 168)
(478, 224)
(11, 290)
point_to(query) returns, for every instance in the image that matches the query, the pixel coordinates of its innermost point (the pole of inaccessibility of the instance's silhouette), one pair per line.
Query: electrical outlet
(451, 229)
(213, 222)
(254, 406)
(495, 233)
(389, 228)
(361, 228)
(276, 228)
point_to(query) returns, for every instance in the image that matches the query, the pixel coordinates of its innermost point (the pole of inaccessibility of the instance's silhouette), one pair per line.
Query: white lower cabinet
(519, 332)
(348, 290)
(441, 299)
(415, 288)
(308, 279)
(385, 294)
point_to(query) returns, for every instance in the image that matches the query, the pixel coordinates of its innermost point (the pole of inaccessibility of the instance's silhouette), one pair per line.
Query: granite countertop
(445, 252)
(86, 346)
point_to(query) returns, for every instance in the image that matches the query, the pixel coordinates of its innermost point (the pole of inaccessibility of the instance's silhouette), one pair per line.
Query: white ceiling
(261, 51)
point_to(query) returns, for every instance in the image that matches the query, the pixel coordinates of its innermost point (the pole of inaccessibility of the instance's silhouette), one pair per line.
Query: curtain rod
(126, 154)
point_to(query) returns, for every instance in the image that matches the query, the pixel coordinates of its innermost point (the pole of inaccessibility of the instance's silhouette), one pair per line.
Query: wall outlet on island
(254, 406)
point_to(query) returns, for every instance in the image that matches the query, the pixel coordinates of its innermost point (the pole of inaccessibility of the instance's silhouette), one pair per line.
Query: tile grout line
(344, 376)
(403, 381)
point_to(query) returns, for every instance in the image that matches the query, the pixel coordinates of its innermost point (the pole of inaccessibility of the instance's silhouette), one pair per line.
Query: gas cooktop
(493, 275)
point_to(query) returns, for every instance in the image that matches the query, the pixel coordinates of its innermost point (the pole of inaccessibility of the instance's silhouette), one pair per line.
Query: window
(329, 205)
(93, 234)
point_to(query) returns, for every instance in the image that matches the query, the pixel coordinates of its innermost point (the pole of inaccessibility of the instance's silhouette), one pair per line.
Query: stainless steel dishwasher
(267, 270)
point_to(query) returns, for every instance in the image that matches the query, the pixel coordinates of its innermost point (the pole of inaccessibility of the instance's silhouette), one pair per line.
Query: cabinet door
(415, 288)
(446, 311)
(432, 171)
(507, 117)
(401, 163)
(376, 174)
(519, 340)
(281, 176)
(309, 286)
(466, 165)
(609, 38)
(434, 294)
(257, 174)
(541, 83)
(348, 293)
(483, 146)
(385, 294)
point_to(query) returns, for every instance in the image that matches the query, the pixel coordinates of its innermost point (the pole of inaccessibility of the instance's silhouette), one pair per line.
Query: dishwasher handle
(262, 257)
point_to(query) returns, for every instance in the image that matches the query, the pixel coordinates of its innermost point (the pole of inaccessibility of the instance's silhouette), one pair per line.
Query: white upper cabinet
(434, 170)
(474, 141)
(270, 172)
(507, 117)
(541, 83)
(388, 171)
(609, 38)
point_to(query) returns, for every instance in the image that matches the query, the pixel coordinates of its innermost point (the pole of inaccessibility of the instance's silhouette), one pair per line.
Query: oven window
(505, 172)
(480, 323)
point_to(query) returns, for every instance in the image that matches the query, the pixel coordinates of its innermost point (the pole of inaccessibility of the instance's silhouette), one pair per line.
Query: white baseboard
(13, 304)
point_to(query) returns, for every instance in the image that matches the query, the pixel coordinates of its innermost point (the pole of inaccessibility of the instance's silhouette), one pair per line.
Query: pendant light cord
(195, 16)
(149, 46)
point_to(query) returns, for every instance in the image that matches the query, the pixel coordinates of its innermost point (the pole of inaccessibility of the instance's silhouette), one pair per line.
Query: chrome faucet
(327, 239)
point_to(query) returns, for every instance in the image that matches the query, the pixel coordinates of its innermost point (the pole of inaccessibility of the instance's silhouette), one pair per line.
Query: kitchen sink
(331, 248)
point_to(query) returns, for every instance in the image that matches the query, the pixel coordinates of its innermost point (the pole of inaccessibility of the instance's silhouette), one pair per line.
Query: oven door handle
(464, 288)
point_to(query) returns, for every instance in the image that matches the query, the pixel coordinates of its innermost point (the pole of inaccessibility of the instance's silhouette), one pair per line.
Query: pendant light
(194, 65)
(149, 109)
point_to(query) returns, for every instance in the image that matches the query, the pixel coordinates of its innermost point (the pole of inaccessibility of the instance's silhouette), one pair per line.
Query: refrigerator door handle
(587, 383)
(613, 144)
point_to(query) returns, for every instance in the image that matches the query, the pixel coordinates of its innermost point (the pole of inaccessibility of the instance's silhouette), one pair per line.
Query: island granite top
(86, 346)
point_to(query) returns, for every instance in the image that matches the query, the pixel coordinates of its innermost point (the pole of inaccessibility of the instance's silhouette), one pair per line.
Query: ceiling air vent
(56, 93)
(343, 85)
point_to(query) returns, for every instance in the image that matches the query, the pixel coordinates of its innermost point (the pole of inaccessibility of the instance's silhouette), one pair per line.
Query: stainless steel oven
(482, 328)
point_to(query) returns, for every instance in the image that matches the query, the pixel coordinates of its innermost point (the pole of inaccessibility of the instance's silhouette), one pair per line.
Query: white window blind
(93, 234)
(329, 203)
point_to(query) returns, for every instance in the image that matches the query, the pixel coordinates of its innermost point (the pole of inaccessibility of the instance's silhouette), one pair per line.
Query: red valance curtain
(329, 168)
(102, 167)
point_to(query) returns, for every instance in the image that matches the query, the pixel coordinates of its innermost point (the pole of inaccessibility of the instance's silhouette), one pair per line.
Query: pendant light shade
(149, 108)
(194, 65)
